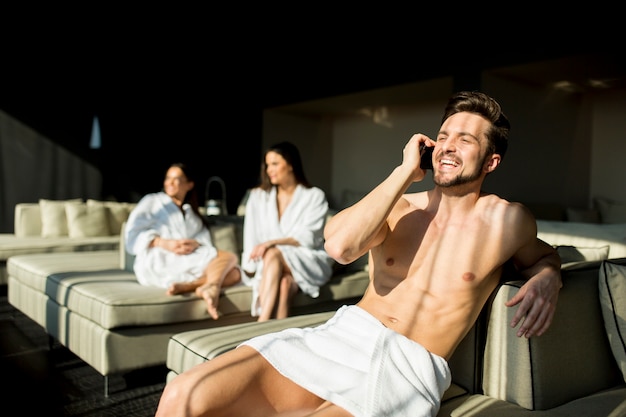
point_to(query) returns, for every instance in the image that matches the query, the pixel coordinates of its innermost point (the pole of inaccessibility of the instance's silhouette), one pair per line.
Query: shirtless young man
(434, 257)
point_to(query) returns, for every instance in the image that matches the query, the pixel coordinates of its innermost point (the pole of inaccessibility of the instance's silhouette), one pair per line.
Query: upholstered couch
(63, 226)
(92, 303)
(576, 369)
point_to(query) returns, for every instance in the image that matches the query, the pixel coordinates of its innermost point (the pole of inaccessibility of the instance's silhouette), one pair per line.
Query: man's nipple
(468, 276)
(390, 262)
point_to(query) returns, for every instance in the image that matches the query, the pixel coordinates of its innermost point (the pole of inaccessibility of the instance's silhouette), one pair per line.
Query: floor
(45, 378)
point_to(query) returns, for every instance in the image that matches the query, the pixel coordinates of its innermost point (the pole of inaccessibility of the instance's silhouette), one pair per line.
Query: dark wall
(143, 130)
(190, 101)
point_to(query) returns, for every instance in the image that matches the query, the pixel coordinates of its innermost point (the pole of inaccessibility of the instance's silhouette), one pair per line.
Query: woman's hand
(178, 246)
(256, 254)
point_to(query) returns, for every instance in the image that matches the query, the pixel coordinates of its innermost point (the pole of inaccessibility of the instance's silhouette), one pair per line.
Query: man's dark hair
(487, 107)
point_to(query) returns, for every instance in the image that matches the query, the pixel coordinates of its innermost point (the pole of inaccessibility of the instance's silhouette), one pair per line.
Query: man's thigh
(242, 382)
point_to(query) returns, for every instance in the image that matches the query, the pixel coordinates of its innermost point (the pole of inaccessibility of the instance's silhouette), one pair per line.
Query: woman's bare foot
(182, 288)
(211, 294)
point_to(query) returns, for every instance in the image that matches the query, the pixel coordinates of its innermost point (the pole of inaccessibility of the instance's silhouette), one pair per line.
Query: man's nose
(448, 145)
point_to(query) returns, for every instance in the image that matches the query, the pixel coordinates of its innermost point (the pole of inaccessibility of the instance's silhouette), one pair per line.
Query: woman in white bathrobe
(172, 245)
(283, 243)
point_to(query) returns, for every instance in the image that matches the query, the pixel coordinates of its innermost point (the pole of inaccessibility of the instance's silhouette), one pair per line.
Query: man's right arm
(354, 230)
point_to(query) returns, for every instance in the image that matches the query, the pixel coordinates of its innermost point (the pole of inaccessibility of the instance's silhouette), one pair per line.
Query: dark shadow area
(45, 378)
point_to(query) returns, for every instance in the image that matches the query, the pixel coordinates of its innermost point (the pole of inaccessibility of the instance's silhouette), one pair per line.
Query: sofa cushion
(53, 218)
(11, 245)
(573, 214)
(188, 349)
(91, 285)
(224, 238)
(32, 269)
(117, 213)
(579, 254)
(27, 220)
(543, 372)
(584, 235)
(613, 301)
(85, 220)
(611, 211)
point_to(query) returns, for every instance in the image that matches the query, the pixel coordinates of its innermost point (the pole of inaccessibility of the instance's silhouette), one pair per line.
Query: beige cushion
(582, 215)
(611, 211)
(584, 235)
(53, 219)
(92, 286)
(86, 220)
(613, 301)
(127, 260)
(27, 220)
(187, 349)
(578, 254)
(223, 236)
(571, 360)
(117, 213)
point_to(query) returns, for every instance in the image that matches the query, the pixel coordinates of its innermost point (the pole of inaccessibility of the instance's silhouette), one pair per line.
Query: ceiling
(578, 73)
(148, 80)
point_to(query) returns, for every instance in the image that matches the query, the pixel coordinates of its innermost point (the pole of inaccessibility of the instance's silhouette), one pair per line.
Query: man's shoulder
(510, 212)
(495, 199)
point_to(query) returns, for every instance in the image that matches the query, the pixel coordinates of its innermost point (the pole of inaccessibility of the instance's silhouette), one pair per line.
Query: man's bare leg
(238, 383)
(221, 271)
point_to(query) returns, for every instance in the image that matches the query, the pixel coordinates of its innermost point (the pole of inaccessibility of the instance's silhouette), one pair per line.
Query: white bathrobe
(303, 220)
(157, 215)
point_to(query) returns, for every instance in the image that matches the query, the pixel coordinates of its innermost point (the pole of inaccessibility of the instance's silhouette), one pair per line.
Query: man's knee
(172, 396)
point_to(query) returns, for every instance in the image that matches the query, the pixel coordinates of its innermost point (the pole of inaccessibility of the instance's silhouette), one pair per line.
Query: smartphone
(427, 157)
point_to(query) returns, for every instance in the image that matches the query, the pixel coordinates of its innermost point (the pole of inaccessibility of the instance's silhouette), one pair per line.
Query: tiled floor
(51, 381)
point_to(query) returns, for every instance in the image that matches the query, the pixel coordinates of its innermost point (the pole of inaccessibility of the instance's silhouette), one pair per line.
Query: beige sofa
(53, 226)
(607, 240)
(576, 369)
(92, 303)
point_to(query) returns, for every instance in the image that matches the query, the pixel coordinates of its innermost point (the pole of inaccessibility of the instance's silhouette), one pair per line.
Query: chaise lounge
(92, 303)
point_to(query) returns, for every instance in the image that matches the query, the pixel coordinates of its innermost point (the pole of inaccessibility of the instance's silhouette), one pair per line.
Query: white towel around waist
(357, 363)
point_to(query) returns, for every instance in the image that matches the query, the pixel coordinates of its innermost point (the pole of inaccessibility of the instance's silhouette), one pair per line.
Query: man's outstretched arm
(537, 298)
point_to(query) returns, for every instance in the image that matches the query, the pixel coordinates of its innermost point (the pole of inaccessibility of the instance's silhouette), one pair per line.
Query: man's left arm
(537, 298)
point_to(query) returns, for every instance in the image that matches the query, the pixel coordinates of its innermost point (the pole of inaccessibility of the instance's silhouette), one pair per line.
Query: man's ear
(492, 163)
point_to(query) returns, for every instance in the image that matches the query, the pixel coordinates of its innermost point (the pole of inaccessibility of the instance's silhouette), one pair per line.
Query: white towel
(360, 365)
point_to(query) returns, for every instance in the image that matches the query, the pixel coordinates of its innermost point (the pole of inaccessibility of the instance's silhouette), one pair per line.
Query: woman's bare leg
(185, 287)
(273, 269)
(237, 383)
(288, 289)
(218, 266)
(221, 271)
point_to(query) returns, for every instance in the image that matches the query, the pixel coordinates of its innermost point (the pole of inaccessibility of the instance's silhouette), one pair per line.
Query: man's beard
(461, 179)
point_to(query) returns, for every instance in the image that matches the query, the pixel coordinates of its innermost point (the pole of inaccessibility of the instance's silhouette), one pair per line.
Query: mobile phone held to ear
(427, 157)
